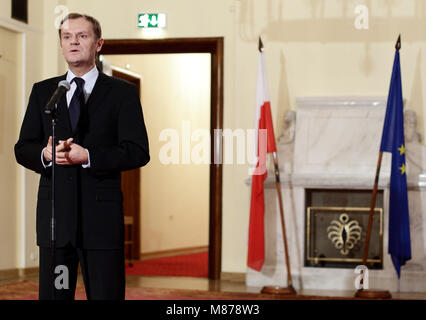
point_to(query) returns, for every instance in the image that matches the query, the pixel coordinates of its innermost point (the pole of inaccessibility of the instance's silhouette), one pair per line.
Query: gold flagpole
(289, 290)
(366, 293)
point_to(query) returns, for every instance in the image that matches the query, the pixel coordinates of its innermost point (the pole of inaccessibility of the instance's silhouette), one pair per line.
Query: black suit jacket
(88, 207)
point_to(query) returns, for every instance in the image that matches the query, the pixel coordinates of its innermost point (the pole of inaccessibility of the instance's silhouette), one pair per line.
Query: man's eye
(83, 36)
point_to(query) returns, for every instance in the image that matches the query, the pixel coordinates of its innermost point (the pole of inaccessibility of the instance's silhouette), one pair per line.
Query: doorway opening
(213, 46)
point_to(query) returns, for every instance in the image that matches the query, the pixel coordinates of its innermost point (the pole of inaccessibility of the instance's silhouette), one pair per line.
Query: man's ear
(99, 44)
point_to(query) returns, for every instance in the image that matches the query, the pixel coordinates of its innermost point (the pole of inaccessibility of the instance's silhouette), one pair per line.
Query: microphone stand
(51, 109)
(52, 220)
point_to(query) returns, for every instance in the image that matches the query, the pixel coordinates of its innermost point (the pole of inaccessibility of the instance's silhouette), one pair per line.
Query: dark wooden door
(130, 184)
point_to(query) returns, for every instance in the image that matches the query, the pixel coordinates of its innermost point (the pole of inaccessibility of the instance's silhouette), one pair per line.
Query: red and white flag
(265, 143)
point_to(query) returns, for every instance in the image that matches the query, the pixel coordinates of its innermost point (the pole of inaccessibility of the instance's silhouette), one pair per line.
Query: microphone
(63, 86)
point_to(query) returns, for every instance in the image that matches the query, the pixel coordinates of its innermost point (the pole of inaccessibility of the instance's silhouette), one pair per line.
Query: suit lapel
(99, 91)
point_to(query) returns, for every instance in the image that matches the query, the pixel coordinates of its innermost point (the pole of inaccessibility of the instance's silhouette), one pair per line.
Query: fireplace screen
(336, 228)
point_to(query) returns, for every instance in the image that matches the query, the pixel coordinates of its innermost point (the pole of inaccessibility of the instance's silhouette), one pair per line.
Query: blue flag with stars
(393, 141)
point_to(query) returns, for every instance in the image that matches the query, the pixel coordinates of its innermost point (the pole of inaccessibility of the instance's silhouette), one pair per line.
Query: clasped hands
(67, 152)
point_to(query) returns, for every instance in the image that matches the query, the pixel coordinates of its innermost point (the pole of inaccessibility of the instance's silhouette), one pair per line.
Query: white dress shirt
(89, 82)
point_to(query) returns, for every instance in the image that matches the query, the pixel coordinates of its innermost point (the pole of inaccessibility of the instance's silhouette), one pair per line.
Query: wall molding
(233, 276)
(172, 252)
(18, 26)
(13, 274)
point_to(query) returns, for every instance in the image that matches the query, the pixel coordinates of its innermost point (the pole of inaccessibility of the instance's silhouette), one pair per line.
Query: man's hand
(47, 152)
(69, 153)
(61, 146)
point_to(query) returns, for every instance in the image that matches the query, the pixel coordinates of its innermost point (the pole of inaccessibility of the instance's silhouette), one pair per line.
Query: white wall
(9, 85)
(18, 218)
(311, 48)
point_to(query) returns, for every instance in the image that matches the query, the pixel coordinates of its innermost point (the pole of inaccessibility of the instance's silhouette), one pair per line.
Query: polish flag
(265, 143)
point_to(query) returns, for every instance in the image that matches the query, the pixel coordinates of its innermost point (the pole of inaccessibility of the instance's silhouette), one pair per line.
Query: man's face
(78, 42)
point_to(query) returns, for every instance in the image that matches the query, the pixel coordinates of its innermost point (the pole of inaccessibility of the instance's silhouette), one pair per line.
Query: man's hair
(95, 23)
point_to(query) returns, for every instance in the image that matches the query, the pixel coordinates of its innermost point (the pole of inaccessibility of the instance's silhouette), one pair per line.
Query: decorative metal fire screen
(335, 234)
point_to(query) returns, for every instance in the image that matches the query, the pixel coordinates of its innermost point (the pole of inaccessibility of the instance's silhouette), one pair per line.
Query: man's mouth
(74, 50)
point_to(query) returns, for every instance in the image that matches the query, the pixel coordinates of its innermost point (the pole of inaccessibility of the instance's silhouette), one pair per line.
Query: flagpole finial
(260, 45)
(398, 43)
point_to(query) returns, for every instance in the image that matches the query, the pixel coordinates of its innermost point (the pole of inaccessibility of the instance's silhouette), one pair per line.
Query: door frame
(214, 46)
(131, 191)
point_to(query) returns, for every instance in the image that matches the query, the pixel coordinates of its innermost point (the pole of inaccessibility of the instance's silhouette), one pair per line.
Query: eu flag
(393, 141)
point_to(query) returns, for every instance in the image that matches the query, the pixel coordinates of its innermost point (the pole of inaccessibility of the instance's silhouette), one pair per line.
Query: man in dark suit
(100, 132)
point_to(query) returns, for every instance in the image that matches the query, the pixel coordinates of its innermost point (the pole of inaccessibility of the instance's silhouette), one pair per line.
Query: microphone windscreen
(65, 84)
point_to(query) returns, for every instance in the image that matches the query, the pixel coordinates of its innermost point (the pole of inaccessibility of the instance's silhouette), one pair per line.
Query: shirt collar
(89, 78)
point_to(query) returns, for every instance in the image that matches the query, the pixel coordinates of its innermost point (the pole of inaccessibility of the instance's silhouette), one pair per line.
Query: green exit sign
(152, 20)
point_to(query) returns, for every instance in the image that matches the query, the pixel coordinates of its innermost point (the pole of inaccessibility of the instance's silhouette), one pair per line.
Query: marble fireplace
(331, 144)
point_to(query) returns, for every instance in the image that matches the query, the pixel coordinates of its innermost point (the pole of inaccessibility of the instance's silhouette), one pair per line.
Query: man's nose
(74, 39)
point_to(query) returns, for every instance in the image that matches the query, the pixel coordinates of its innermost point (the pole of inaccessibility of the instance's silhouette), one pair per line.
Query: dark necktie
(77, 102)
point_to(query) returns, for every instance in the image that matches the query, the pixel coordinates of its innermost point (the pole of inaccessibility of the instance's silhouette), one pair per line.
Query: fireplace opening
(336, 226)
